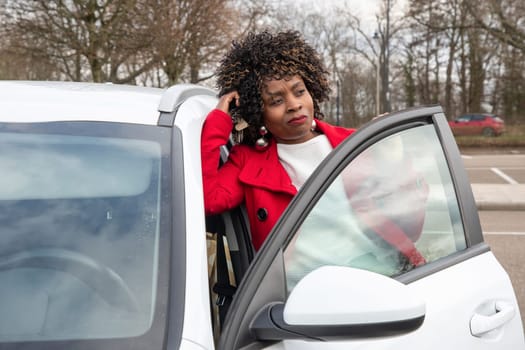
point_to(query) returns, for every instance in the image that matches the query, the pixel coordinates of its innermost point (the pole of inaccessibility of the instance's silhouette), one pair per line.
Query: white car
(103, 240)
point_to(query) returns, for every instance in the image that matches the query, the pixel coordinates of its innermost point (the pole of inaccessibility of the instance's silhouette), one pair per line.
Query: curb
(508, 197)
(493, 206)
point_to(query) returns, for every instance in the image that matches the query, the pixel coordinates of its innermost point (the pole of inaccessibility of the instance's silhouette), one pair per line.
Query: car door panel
(460, 281)
(438, 331)
(477, 281)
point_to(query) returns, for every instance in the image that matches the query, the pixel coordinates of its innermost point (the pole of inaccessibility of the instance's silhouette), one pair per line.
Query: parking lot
(495, 168)
(504, 230)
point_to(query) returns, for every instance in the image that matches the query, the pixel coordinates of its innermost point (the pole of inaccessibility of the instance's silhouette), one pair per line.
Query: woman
(270, 86)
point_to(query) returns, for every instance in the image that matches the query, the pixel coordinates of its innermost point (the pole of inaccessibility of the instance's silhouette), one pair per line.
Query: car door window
(391, 209)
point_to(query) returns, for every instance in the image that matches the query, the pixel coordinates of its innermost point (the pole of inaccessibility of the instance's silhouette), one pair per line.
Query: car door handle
(481, 324)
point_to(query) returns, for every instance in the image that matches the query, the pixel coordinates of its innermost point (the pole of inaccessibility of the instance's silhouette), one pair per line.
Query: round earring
(261, 143)
(314, 125)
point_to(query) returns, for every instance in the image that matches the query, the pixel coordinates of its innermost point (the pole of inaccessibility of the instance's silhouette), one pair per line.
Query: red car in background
(485, 124)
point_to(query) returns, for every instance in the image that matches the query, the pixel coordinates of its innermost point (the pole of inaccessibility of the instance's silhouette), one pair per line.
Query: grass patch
(513, 137)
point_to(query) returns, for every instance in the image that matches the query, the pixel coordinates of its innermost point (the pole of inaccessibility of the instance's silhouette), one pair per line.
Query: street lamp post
(337, 102)
(378, 77)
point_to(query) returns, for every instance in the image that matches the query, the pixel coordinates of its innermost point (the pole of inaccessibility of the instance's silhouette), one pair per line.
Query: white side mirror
(336, 295)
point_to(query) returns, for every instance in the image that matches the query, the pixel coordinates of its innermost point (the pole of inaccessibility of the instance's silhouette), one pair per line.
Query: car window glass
(79, 243)
(55, 165)
(391, 209)
(478, 118)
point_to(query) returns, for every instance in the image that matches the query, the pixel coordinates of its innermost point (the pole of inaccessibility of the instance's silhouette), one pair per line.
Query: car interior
(230, 253)
(75, 254)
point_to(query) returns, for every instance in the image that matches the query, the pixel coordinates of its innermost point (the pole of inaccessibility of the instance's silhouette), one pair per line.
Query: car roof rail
(174, 96)
(177, 94)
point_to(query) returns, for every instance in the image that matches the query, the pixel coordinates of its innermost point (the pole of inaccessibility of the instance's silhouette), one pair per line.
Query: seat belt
(383, 226)
(223, 287)
(394, 235)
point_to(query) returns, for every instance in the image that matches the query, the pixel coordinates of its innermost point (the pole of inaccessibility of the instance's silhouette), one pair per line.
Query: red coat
(254, 177)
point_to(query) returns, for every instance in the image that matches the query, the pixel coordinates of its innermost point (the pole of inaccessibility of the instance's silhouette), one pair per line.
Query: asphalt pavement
(494, 195)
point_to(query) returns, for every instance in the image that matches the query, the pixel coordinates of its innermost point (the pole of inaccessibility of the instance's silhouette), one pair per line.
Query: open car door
(382, 248)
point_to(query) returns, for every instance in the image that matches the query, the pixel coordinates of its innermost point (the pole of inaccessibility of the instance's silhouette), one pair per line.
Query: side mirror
(341, 302)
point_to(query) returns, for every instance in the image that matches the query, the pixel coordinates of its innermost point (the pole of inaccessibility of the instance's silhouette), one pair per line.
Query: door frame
(267, 268)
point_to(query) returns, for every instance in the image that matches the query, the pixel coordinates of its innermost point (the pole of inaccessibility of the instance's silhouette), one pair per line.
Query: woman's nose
(294, 104)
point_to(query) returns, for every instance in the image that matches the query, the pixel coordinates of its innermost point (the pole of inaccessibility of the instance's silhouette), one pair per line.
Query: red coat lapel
(264, 170)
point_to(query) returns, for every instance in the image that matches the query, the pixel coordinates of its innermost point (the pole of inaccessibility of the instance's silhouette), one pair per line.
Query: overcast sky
(365, 10)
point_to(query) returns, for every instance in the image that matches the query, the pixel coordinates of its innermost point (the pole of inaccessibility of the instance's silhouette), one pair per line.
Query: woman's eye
(276, 101)
(300, 92)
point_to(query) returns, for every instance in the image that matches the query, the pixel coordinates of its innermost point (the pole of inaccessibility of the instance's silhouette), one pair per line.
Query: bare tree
(443, 23)
(510, 93)
(466, 55)
(188, 35)
(331, 38)
(505, 22)
(385, 31)
(192, 35)
(379, 48)
(504, 19)
(94, 37)
(18, 65)
(156, 42)
(477, 52)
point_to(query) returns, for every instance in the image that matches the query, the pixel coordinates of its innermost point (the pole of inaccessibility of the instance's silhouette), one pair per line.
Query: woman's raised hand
(227, 101)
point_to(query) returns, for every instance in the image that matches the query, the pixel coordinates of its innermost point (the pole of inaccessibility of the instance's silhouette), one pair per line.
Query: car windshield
(82, 223)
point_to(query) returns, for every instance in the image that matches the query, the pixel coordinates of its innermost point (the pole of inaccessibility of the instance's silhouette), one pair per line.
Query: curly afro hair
(264, 56)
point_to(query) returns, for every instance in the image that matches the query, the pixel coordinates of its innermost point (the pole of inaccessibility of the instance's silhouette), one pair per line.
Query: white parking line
(505, 233)
(466, 157)
(504, 176)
